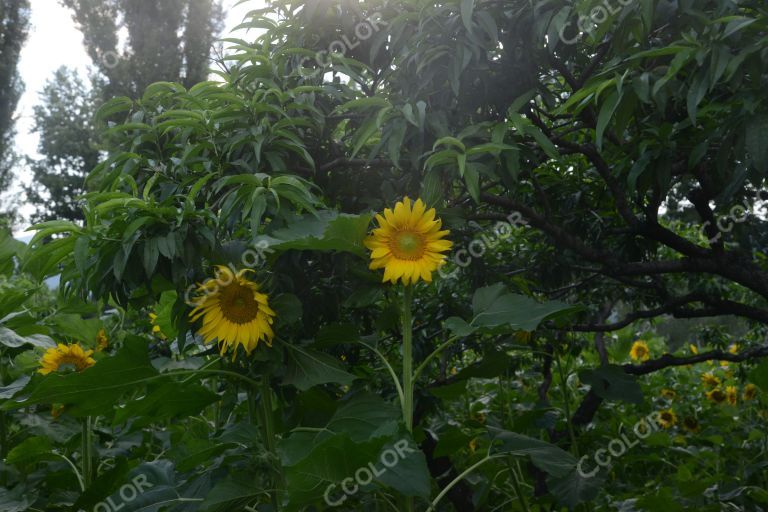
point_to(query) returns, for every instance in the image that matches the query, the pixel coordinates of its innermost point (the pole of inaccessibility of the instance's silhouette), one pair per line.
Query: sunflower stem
(408, 369)
(3, 444)
(86, 452)
(269, 438)
(408, 358)
(516, 485)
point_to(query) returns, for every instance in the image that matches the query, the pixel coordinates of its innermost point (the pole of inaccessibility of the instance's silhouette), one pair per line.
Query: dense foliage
(131, 44)
(594, 343)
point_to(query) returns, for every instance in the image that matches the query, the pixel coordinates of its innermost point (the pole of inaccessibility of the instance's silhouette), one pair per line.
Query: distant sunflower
(731, 394)
(668, 418)
(716, 395)
(478, 416)
(66, 356)
(694, 349)
(57, 410)
(733, 349)
(102, 340)
(710, 380)
(668, 393)
(691, 424)
(640, 351)
(750, 391)
(234, 312)
(408, 243)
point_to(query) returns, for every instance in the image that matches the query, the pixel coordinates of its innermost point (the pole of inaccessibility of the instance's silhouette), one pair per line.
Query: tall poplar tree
(14, 27)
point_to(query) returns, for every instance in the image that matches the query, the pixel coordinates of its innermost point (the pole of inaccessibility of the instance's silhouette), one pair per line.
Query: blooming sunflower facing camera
(716, 395)
(710, 380)
(640, 351)
(750, 392)
(66, 356)
(408, 244)
(669, 394)
(233, 311)
(667, 418)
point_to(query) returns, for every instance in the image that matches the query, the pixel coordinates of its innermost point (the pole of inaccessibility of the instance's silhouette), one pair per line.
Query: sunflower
(694, 349)
(667, 418)
(63, 356)
(710, 380)
(408, 243)
(234, 312)
(716, 395)
(668, 393)
(733, 349)
(750, 391)
(691, 424)
(731, 394)
(640, 351)
(102, 340)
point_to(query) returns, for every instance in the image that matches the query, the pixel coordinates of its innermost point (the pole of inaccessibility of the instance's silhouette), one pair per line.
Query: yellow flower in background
(66, 356)
(640, 351)
(733, 349)
(668, 393)
(156, 328)
(694, 348)
(731, 394)
(716, 395)
(473, 445)
(57, 410)
(408, 243)
(691, 424)
(750, 391)
(668, 418)
(710, 380)
(478, 417)
(234, 312)
(102, 340)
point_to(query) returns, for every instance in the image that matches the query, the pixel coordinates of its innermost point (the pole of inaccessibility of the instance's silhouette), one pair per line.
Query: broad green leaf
(613, 383)
(606, 113)
(493, 308)
(328, 231)
(546, 456)
(9, 338)
(29, 451)
(95, 390)
(163, 400)
(233, 493)
(306, 368)
(573, 489)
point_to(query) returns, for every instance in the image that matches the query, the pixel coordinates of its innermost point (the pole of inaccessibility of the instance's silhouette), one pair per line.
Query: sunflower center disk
(237, 304)
(407, 245)
(70, 363)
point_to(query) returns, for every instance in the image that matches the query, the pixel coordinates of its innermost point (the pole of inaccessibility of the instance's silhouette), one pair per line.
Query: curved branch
(668, 360)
